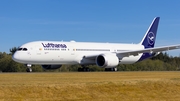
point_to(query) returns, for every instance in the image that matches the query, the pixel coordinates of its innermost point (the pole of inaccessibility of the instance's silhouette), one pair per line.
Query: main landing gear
(83, 69)
(29, 69)
(111, 69)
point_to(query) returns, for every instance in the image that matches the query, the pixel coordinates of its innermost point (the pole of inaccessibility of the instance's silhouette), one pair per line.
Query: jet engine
(51, 66)
(107, 60)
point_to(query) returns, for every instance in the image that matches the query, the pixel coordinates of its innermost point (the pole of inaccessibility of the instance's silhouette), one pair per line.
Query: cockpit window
(19, 49)
(24, 49)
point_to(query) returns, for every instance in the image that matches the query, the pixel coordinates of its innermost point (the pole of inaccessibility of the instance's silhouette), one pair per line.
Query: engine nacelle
(51, 66)
(107, 60)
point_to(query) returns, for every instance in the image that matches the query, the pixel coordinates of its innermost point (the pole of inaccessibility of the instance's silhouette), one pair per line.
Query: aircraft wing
(148, 50)
(137, 52)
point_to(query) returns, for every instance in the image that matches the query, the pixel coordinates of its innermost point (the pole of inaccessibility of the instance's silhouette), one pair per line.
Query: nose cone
(16, 57)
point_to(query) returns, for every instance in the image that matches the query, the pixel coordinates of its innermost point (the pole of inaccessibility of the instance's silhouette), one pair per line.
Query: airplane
(53, 54)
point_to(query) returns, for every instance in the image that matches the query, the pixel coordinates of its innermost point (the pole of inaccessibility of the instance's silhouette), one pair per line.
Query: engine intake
(107, 60)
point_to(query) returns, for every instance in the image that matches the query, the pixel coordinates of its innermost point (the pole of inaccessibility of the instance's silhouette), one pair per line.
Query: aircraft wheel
(28, 70)
(83, 69)
(80, 69)
(111, 69)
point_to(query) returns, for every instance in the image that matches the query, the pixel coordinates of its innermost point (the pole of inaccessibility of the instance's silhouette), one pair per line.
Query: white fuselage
(57, 52)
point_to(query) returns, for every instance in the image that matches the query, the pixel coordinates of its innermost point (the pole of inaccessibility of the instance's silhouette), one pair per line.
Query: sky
(119, 21)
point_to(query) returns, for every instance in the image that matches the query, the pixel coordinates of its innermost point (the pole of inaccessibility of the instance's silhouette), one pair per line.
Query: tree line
(162, 62)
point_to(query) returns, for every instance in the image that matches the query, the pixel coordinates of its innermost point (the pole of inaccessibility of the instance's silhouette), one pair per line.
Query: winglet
(149, 39)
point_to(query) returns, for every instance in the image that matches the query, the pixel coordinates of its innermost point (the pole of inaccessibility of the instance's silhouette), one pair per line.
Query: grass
(98, 86)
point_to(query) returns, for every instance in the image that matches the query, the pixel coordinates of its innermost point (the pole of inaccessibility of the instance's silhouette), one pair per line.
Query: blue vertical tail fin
(149, 39)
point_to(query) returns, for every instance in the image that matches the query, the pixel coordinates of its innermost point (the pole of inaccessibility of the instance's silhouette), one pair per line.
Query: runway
(88, 86)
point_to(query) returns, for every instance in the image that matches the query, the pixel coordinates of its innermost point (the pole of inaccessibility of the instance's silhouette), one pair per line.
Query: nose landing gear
(29, 69)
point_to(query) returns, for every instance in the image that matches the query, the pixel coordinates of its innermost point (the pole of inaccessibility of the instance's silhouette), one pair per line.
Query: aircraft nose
(16, 57)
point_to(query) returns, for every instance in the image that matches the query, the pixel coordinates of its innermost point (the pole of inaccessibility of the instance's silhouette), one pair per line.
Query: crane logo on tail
(151, 38)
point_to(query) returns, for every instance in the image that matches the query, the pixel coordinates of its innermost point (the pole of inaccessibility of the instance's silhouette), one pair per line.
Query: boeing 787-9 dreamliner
(52, 54)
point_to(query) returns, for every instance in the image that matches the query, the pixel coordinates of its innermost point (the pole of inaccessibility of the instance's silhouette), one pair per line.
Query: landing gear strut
(29, 69)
